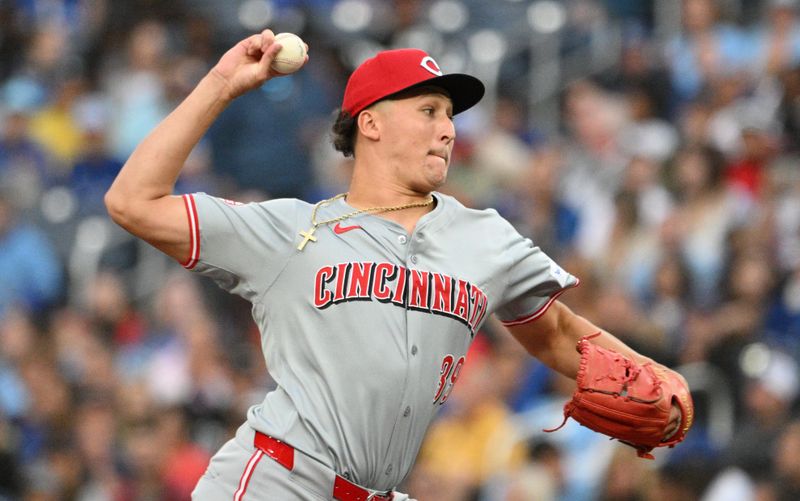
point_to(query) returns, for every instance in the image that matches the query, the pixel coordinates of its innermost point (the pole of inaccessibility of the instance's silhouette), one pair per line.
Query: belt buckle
(345, 490)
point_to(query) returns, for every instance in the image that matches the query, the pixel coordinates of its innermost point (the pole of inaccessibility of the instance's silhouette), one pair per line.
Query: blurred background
(649, 146)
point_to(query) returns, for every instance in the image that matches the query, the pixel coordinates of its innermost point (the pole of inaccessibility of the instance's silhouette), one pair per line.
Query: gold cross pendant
(308, 236)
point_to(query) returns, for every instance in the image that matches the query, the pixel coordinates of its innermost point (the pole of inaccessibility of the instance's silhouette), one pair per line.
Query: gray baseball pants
(240, 471)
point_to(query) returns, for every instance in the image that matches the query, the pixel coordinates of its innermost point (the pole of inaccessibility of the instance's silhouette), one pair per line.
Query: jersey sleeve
(242, 247)
(533, 280)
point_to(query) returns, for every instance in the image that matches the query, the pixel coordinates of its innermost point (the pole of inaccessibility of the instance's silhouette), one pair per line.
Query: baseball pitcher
(367, 302)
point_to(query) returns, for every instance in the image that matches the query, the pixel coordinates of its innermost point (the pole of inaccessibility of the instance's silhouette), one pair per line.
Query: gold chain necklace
(308, 236)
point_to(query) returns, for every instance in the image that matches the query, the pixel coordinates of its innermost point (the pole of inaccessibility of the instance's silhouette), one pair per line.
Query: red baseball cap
(392, 71)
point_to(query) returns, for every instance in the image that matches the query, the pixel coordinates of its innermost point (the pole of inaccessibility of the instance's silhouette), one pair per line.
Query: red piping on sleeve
(538, 313)
(194, 232)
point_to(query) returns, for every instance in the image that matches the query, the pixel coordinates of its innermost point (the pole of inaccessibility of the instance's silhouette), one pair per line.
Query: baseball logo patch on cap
(429, 64)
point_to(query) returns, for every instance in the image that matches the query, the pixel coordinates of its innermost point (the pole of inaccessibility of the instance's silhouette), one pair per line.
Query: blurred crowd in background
(651, 147)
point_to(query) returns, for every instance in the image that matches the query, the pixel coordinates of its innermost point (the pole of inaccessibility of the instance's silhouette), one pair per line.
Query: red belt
(343, 489)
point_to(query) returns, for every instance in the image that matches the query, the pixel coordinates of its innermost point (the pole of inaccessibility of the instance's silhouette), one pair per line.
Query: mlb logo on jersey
(558, 273)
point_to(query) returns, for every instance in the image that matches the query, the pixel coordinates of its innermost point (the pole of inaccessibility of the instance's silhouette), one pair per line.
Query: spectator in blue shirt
(30, 272)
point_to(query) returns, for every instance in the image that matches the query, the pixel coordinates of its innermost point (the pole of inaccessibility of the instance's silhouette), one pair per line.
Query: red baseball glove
(627, 401)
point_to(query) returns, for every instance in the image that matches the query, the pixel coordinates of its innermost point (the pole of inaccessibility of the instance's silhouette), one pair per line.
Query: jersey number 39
(447, 378)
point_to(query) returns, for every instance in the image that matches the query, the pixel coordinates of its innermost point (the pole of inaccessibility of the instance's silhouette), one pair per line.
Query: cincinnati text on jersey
(414, 289)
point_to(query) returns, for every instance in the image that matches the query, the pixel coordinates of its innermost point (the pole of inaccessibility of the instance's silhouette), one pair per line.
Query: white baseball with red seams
(292, 54)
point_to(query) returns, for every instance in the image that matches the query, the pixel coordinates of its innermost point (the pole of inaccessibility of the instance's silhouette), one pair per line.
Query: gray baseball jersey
(366, 329)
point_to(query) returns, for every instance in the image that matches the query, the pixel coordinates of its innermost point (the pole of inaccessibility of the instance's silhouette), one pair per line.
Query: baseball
(291, 56)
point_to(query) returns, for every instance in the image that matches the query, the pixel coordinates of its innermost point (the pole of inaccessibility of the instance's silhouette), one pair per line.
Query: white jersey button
(407, 412)
(389, 469)
(402, 239)
(414, 259)
(414, 350)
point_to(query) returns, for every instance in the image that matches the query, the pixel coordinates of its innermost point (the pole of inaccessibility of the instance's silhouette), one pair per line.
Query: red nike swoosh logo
(339, 229)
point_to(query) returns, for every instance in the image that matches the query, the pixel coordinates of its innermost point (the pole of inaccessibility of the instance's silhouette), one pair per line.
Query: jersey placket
(408, 247)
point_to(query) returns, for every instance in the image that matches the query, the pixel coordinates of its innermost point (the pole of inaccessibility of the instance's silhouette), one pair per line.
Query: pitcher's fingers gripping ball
(292, 55)
(628, 401)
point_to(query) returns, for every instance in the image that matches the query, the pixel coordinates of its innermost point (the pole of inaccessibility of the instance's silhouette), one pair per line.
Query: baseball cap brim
(465, 91)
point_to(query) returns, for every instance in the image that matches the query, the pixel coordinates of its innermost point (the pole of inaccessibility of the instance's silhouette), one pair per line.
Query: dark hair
(343, 133)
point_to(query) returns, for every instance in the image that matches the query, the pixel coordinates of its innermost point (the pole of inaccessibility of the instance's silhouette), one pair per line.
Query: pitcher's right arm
(140, 199)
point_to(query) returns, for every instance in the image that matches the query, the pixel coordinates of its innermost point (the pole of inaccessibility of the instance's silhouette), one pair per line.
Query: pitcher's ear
(369, 124)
